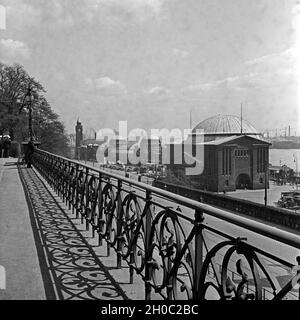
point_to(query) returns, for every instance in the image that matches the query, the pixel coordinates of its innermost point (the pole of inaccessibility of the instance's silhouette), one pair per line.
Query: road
(257, 196)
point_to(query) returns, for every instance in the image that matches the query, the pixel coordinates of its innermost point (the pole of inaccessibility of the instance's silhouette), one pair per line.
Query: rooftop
(226, 124)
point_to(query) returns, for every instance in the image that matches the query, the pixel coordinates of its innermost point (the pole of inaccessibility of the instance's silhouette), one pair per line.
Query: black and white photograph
(149, 152)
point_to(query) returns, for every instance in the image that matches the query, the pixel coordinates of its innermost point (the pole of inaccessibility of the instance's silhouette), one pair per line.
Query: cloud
(207, 86)
(296, 19)
(66, 14)
(21, 14)
(139, 10)
(131, 5)
(11, 50)
(157, 91)
(178, 53)
(105, 86)
(2, 17)
(60, 13)
(268, 71)
(273, 70)
(281, 60)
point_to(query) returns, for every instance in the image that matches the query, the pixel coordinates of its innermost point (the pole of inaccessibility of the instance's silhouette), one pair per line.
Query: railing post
(87, 201)
(64, 181)
(76, 190)
(100, 222)
(69, 186)
(84, 199)
(74, 186)
(107, 219)
(119, 225)
(148, 221)
(131, 269)
(198, 252)
(298, 273)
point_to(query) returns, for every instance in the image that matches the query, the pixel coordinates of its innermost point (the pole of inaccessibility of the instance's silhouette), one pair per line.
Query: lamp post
(266, 183)
(28, 102)
(29, 145)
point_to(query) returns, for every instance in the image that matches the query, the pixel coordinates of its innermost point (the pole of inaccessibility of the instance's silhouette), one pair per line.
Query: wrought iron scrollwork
(177, 256)
(109, 212)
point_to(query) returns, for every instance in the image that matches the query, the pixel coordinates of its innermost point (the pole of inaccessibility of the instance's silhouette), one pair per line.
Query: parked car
(297, 197)
(289, 199)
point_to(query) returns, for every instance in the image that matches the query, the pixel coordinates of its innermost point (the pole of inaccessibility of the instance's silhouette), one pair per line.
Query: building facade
(235, 156)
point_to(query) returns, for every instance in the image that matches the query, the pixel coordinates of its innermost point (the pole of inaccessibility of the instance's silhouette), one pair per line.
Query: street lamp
(28, 101)
(266, 182)
(29, 145)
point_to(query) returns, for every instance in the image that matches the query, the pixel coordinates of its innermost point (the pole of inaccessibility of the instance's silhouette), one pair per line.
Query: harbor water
(285, 156)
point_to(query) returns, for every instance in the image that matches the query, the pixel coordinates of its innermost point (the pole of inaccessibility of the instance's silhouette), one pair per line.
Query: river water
(285, 156)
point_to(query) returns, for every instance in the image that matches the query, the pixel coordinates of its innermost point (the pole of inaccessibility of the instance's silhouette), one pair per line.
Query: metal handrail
(283, 236)
(141, 235)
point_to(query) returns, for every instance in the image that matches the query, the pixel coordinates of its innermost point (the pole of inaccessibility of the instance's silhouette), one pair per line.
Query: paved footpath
(44, 253)
(18, 254)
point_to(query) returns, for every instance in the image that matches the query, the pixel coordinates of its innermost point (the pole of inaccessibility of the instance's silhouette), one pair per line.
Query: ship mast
(296, 173)
(241, 118)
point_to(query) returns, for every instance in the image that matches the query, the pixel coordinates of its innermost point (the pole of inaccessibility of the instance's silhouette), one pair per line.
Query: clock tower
(79, 138)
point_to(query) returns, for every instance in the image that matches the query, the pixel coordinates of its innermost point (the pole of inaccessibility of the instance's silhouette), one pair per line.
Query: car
(296, 197)
(289, 199)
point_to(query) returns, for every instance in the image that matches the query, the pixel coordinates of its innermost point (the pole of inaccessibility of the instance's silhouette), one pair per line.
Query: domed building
(232, 152)
(222, 126)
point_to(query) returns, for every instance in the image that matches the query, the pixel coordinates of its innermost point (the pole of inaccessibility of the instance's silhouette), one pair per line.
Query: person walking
(6, 146)
(1, 146)
(29, 153)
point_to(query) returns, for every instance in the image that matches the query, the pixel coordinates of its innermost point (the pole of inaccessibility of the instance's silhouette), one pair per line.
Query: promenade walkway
(48, 253)
(18, 254)
(44, 250)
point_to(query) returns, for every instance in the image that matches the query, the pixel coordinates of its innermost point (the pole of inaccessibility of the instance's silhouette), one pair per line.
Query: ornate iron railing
(182, 249)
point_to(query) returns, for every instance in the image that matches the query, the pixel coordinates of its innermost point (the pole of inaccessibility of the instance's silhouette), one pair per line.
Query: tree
(14, 82)
(48, 129)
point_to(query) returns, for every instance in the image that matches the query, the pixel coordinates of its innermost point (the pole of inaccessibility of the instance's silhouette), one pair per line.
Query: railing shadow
(74, 269)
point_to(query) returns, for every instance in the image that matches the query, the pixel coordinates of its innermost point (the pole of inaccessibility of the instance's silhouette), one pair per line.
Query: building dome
(225, 125)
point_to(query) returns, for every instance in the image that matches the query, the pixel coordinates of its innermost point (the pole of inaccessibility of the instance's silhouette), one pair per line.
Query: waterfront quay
(257, 196)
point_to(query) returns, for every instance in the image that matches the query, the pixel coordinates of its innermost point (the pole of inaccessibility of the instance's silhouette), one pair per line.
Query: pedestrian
(1, 146)
(29, 153)
(6, 146)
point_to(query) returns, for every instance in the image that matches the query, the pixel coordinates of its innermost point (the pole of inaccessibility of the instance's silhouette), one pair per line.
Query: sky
(155, 62)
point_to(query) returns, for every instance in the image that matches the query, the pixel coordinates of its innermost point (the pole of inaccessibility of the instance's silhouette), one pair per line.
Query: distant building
(114, 149)
(78, 138)
(117, 150)
(235, 156)
(150, 150)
